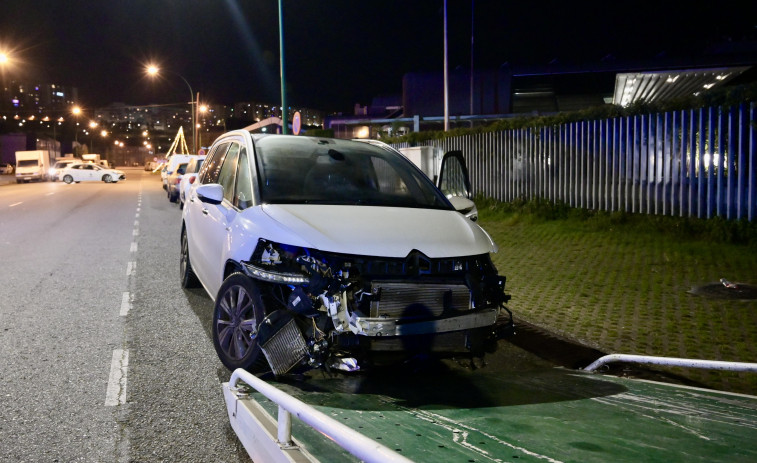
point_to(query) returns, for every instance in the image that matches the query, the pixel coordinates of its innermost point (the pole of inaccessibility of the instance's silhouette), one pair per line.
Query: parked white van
(173, 162)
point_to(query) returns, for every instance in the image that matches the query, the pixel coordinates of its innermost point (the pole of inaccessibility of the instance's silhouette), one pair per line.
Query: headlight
(276, 263)
(273, 276)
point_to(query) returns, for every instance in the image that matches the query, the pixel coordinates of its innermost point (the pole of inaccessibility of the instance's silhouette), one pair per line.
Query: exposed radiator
(397, 299)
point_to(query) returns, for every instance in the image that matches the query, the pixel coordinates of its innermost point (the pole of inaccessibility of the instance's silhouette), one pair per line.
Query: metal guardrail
(352, 441)
(673, 362)
(688, 163)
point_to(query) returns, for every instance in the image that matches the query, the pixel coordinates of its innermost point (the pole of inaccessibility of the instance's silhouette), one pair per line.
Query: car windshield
(302, 170)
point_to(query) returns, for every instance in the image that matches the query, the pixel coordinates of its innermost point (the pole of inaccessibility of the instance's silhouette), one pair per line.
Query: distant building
(252, 112)
(36, 98)
(515, 90)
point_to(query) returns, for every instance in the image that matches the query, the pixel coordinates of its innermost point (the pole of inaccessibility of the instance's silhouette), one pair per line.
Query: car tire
(107, 178)
(68, 179)
(171, 197)
(237, 313)
(188, 277)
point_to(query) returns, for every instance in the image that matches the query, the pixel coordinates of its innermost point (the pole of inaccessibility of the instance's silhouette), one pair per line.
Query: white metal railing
(673, 362)
(352, 441)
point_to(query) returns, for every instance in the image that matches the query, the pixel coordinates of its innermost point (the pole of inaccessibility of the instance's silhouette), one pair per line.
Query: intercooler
(400, 299)
(284, 347)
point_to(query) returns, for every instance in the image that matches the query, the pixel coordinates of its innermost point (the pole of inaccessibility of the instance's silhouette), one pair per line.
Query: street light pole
(446, 73)
(192, 108)
(153, 70)
(284, 109)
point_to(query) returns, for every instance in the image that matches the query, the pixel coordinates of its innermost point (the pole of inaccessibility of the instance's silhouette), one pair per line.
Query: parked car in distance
(318, 250)
(89, 172)
(171, 165)
(173, 180)
(6, 168)
(59, 165)
(189, 178)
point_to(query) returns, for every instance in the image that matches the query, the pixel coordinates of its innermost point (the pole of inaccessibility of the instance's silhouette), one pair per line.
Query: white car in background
(58, 167)
(317, 250)
(89, 172)
(172, 164)
(189, 178)
(6, 168)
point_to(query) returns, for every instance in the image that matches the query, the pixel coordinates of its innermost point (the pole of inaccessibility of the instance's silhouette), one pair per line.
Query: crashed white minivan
(316, 251)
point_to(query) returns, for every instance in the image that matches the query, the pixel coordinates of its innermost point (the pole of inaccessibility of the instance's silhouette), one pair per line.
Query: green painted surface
(544, 415)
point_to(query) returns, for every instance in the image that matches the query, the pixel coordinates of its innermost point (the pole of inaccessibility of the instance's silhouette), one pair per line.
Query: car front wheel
(68, 179)
(237, 313)
(107, 178)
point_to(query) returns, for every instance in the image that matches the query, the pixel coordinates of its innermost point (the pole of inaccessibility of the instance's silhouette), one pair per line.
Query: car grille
(397, 299)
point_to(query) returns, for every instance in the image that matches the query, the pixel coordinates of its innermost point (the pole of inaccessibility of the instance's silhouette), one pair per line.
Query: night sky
(338, 52)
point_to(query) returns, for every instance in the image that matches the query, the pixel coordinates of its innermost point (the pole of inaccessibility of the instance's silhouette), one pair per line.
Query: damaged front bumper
(394, 327)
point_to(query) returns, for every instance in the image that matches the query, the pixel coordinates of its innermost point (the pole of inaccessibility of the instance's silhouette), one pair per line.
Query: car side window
(211, 169)
(227, 175)
(243, 196)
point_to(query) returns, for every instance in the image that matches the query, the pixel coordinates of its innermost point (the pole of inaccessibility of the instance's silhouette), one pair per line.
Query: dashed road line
(125, 304)
(16, 204)
(116, 392)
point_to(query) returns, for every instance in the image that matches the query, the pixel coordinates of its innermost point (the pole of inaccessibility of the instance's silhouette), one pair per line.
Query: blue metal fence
(696, 163)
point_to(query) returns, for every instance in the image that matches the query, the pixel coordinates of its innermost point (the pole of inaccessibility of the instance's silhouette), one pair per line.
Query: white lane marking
(136, 224)
(125, 304)
(16, 204)
(131, 268)
(454, 427)
(116, 392)
(135, 232)
(50, 194)
(133, 247)
(136, 216)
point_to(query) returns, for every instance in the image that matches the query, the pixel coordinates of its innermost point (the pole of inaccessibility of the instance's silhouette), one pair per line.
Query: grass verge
(621, 283)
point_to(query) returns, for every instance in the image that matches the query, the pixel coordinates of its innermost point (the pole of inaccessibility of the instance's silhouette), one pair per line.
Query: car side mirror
(211, 193)
(464, 206)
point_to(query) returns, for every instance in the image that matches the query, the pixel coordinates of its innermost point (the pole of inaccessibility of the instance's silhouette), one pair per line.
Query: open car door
(454, 182)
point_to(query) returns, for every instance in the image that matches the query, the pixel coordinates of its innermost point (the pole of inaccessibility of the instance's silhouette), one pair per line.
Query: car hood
(382, 231)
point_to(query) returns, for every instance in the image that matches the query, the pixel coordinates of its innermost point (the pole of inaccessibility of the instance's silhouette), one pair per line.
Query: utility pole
(284, 109)
(446, 73)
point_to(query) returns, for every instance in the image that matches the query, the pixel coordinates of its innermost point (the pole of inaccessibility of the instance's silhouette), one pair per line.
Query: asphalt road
(103, 357)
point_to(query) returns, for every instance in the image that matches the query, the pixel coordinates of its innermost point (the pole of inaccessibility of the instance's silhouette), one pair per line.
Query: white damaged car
(316, 250)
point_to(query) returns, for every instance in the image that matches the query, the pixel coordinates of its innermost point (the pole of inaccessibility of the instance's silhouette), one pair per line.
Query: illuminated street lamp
(92, 127)
(153, 70)
(5, 61)
(76, 111)
(202, 109)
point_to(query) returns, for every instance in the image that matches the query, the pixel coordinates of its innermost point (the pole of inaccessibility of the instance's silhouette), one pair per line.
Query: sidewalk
(7, 178)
